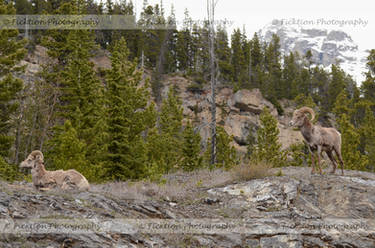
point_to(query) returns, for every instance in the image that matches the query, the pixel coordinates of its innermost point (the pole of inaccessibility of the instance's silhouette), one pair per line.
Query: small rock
(211, 201)
(18, 215)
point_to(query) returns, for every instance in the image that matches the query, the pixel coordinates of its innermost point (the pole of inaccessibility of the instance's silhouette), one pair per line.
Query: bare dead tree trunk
(50, 113)
(211, 19)
(250, 72)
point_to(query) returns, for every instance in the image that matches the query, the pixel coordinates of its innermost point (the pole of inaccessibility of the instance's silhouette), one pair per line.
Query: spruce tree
(80, 92)
(191, 149)
(336, 85)
(343, 105)
(164, 144)
(238, 57)
(129, 116)
(352, 157)
(368, 86)
(82, 95)
(12, 51)
(301, 100)
(182, 50)
(9, 172)
(69, 152)
(319, 82)
(268, 147)
(367, 132)
(223, 55)
(226, 156)
(256, 56)
(289, 77)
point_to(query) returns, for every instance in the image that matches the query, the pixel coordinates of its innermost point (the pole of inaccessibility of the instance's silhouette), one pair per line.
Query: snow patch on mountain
(327, 46)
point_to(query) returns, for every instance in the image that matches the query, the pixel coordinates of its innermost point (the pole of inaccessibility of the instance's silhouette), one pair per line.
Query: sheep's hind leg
(332, 158)
(338, 153)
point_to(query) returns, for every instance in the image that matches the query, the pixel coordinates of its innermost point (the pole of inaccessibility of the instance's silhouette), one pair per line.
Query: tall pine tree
(129, 116)
(12, 51)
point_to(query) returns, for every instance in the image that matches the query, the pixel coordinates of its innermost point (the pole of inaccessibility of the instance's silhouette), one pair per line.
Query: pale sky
(256, 14)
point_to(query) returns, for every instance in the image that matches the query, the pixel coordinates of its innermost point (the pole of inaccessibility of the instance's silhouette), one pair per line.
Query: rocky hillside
(327, 46)
(237, 112)
(292, 209)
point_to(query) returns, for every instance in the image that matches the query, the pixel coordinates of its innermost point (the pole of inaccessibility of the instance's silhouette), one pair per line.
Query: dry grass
(249, 171)
(175, 187)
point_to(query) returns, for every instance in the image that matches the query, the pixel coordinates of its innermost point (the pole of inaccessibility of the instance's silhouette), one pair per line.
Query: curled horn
(38, 154)
(308, 110)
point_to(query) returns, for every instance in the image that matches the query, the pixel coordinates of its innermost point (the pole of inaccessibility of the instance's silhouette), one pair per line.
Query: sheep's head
(32, 160)
(299, 116)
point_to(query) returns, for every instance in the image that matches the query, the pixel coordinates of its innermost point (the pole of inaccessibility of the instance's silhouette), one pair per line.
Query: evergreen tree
(301, 100)
(191, 149)
(289, 77)
(82, 99)
(70, 153)
(319, 82)
(336, 85)
(164, 146)
(171, 114)
(226, 155)
(367, 132)
(184, 45)
(343, 105)
(368, 86)
(129, 117)
(256, 59)
(81, 94)
(303, 85)
(268, 148)
(352, 157)
(12, 51)
(238, 57)
(222, 52)
(9, 172)
(273, 66)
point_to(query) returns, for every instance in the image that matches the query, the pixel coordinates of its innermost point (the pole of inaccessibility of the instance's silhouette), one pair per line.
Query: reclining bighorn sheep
(45, 180)
(318, 138)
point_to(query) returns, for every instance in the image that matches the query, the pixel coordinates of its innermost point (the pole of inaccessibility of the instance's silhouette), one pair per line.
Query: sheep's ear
(38, 157)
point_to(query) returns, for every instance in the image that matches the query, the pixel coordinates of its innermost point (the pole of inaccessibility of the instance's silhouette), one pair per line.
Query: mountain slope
(327, 46)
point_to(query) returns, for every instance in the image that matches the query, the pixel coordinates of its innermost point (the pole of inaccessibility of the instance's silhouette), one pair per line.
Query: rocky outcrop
(292, 210)
(250, 101)
(238, 112)
(298, 210)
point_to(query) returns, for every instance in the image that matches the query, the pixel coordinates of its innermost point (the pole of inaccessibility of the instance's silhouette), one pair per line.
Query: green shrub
(299, 155)
(9, 172)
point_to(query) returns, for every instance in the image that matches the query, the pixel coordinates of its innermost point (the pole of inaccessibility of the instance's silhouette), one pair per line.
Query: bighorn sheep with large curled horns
(318, 138)
(45, 180)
